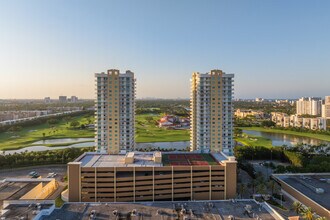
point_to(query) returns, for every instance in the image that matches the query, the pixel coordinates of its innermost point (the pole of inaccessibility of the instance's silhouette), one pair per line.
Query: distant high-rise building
(212, 111)
(62, 99)
(74, 99)
(47, 100)
(326, 108)
(115, 111)
(259, 99)
(309, 106)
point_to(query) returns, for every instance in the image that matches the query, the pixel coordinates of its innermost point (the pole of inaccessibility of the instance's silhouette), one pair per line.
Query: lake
(178, 145)
(44, 148)
(279, 139)
(63, 140)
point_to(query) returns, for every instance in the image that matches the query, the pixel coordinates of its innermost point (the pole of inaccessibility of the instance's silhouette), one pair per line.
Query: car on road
(36, 175)
(33, 173)
(51, 175)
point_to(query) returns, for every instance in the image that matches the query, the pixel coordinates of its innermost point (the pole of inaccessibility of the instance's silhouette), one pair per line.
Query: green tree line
(41, 157)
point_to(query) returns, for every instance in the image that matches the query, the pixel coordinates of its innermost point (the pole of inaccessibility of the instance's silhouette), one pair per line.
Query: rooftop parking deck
(147, 159)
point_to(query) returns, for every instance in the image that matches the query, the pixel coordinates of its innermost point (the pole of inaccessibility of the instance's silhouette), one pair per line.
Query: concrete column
(74, 186)
(153, 184)
(172, 185)
(134, 183)
(95, 179)
(191, 183)
(230, 179)
(114, 184)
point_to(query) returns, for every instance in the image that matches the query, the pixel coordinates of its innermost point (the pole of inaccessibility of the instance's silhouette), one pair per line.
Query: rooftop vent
(157, 157)
(129, 158)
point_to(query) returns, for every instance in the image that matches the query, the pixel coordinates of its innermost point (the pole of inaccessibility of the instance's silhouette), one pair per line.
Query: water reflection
(279, 139)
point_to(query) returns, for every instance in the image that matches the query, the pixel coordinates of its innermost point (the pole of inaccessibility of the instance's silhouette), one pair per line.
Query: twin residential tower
(211, 112)
(115, 111)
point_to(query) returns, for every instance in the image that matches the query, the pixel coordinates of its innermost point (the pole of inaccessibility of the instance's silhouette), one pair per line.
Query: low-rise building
(151, 176)
(242, 113)
(310, 189)
(284, 120)
(171, 121)
(280, 119)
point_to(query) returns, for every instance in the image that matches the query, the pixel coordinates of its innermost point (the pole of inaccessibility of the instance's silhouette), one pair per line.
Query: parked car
(32, 173)
(51, 175)
(36, 175)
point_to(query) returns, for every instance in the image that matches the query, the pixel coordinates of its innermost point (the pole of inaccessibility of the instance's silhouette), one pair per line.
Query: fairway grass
(254, 141)
(148, 131)
(27, 136)
(322, 137)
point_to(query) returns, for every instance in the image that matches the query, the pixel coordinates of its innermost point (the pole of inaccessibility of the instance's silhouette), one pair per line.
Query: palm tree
(308, 214)
(297, 207)
(321, 218)
(271, 185)
(253, 184)
(242, 189)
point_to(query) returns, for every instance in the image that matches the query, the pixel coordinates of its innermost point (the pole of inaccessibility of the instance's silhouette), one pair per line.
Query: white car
(51, 175)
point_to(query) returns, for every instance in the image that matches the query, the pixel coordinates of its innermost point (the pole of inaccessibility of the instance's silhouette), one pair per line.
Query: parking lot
(43, 171)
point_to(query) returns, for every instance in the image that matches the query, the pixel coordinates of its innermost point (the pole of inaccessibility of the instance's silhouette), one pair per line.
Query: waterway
(63, 141)
(178, 145)
(279, 139)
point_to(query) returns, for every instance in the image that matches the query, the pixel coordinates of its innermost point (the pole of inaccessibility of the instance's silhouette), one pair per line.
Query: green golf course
(25, 137)
(148, 131)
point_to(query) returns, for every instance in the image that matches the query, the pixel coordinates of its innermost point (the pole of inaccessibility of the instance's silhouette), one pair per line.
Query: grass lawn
(59, 202)
(254, 141)
(148, 131)
(28, 135)
(322, 137)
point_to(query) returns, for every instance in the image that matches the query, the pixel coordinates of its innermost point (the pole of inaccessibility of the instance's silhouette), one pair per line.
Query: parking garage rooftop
(151, 159)
(315, 186)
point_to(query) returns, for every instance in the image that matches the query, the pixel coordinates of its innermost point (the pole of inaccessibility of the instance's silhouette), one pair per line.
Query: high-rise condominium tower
(326, 108)
(115, 109)
(309, 106)
(211, 111)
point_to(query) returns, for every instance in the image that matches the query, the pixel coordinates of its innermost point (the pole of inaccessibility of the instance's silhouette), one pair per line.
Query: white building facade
(309, 106)
(326, 108)
(284, 120)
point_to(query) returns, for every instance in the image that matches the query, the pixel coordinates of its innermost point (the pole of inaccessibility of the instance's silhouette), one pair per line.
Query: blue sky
(276, 48)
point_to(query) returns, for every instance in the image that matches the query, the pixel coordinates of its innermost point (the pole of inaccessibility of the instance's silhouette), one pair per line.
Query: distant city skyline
(276, 49)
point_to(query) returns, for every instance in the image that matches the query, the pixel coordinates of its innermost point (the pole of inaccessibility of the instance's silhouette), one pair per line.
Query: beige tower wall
(113, 112)
(216, 111)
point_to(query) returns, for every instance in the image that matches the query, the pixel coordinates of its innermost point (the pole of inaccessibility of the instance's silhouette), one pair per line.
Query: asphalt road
(42, 170)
